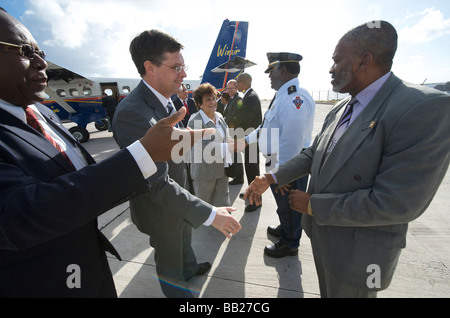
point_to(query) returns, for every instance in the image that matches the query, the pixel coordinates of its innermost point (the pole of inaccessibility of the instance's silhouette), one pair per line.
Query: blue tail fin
(227, 59)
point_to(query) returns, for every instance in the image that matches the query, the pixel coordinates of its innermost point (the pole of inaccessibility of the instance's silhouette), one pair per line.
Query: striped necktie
(341, 127)
(170, 111)
(33, 122)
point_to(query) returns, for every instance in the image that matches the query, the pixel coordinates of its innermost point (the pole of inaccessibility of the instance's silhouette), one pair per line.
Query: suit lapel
(34, 139)
(333, 119)
(57, 126)
(153, 102)
(353, 137)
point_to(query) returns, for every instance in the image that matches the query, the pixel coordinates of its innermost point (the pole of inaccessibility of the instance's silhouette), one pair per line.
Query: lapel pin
(372, 124)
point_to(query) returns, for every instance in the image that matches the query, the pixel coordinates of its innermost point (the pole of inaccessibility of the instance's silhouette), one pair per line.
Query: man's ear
(148, 66)
(366, 60)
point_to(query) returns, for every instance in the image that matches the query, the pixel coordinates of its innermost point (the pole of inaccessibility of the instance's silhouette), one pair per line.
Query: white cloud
(91, 37)
(431, 26)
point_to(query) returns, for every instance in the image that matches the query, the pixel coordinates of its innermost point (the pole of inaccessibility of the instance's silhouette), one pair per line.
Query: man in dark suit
(224, 99)
(375, 166)
(249, 119)
(155, 213)
(231, 116)
(182, 99)
(50, 199)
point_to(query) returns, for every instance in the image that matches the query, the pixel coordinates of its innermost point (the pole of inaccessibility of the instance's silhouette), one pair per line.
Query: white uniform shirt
(287, 126)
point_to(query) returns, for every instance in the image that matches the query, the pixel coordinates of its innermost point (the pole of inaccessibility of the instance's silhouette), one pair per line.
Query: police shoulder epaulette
(292, 89)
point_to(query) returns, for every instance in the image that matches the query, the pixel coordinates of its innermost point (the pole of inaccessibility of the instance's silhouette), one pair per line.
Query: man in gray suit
(169, 211)
(381, 174)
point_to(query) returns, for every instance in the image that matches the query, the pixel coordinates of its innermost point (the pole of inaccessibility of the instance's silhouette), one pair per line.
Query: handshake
(237, 145)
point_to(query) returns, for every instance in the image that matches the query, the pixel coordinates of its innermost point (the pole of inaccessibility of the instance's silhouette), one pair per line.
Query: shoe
(203, 268)
(278, 250)
(274, 230)
(251, 208)
(236, 181)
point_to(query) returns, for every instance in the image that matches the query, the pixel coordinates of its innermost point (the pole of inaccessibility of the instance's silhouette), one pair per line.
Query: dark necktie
(169, 111)
(340, 128)
(33, 122)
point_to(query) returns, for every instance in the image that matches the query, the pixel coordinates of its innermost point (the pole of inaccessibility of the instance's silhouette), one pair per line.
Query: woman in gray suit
(209, 157)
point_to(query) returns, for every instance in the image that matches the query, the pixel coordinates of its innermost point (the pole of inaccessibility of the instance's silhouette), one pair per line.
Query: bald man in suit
(52, 190)
(375, 166)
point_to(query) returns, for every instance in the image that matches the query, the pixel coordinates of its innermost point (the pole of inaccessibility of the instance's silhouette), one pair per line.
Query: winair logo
(226, 51)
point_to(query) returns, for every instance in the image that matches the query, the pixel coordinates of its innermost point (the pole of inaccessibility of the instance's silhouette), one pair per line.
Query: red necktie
(186, 106)
(33, 122)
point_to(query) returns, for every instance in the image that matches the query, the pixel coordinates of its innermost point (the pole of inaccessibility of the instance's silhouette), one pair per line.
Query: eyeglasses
(178, 69)
(26, 50)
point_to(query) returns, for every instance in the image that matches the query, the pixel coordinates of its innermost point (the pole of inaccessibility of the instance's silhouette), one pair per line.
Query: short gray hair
(380, 39)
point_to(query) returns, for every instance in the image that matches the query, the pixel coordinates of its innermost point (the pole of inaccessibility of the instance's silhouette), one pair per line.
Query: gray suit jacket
(137, 113)
(381, 175)
(213, 167)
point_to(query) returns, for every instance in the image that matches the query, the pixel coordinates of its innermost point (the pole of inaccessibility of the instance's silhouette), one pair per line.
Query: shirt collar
(205, 118)
(289, 83)
(367, 94)
(18, 111)
(164, 101)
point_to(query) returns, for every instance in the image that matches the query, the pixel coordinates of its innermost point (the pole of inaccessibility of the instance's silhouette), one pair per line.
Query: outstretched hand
(225, 223)
(256, 189)
(160, 140)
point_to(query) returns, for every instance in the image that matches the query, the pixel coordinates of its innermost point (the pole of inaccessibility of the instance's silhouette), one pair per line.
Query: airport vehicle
(76, 98)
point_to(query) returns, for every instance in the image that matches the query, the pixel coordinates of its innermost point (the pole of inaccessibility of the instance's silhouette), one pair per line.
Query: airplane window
(61, 92)
(87, 91)
(126, 89)
(108, 91)
(73, 92)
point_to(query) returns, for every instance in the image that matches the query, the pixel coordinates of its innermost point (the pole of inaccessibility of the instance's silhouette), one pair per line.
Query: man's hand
(162, 137)
(256, 189)
(240, 144)
(225, 223)
(298, 201)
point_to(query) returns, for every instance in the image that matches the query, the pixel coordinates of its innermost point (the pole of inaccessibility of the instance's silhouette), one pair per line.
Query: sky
(92, 37)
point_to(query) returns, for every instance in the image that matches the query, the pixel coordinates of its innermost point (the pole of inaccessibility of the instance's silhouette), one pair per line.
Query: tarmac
(239, 267)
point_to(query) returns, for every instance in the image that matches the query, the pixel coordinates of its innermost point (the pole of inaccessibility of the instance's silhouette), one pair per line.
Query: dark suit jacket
(191, 107)
(48, 212)
(232, 111)
(250, 115)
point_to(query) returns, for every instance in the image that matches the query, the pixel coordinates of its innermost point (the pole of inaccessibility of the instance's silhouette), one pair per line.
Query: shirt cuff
(209, 221)
(143, 159)
(309, 208)
(274, 177)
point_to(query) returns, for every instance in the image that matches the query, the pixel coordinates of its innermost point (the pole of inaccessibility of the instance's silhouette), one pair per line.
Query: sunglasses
(26, 50)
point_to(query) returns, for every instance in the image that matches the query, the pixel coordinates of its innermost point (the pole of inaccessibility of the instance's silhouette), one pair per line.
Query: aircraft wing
(234, 65)
(56, 72)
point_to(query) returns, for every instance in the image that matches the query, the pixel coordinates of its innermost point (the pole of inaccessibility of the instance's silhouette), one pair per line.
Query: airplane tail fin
(227, 59)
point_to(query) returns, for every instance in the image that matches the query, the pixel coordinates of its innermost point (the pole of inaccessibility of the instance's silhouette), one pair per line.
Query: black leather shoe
(203, 268)
(278, 250)
(251, 208)
(236, 181)
(274, 230)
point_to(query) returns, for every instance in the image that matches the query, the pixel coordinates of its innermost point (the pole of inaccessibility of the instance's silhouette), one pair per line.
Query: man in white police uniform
(286, 129)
